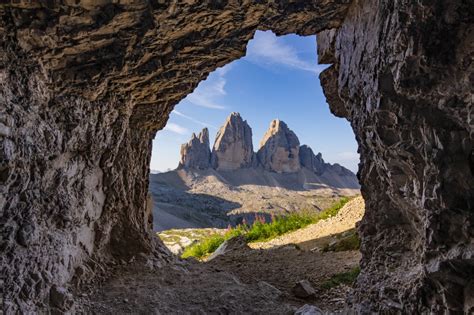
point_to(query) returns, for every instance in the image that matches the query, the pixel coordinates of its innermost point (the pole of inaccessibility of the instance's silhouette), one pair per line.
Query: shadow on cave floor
(242, 280)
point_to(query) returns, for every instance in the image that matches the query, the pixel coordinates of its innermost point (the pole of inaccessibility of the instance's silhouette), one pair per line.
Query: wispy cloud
(176, 128)
(178, 113)
(267, 49)
(208, 92)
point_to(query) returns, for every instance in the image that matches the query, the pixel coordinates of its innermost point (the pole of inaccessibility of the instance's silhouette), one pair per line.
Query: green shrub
(209, 244)
(351, 242)
(261, 230)
(264, 231)
(280, 225)
(342, 278)
(334, 209)
(344, 243)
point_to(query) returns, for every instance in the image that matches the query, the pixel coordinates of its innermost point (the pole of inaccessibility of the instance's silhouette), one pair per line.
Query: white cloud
(266, 49)
(209, 91)
(176, 128)
(194, 120)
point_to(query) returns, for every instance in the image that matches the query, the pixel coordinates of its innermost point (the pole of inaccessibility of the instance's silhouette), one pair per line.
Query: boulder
(303, 289)
(279, 149)
(196, 154)
(234, 243)
(233, 148)
(268, 290)
(60, 298)
(309, 310)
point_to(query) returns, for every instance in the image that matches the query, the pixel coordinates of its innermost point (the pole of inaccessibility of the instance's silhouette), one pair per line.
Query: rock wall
(280, 152)
(233, 148)
(196, 153)
(279, 149)
(316, 163)
(402, 74)
(85, 86)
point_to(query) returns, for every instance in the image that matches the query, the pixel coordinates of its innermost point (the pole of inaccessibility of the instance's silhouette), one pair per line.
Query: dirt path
(284, 266)
(243, 280)
(191, 288)
(316, 236)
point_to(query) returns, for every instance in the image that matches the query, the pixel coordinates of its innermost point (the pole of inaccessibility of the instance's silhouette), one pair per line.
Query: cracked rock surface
(233, 148)
(85, 85)
(402, 74)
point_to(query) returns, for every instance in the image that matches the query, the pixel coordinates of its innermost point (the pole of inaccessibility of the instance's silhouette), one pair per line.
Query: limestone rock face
(316, 163)
(309, 160)
(279, 149)
(196, 153)
(233, 148)
(400, 75)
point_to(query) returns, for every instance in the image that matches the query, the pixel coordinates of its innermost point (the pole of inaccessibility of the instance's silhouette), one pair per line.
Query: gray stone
(27, 234)
(60, 298)
(234, 243)
(316, 163)
(311, 161)
(279, 149)
(309, 310)
(269, 290)
(303, 289)
(196, 154)
(233, 148)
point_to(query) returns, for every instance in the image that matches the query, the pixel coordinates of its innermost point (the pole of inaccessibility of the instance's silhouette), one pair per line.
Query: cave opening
(86, 85)
(277, 80)
(206, 192)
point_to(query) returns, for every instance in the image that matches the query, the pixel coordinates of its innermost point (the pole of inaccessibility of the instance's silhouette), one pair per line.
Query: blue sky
(278, 78)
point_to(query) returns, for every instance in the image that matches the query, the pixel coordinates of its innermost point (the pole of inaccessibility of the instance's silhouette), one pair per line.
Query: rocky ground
(232, 182)
(242, 280)
(177, 239)
(207, 198)
(316, 236)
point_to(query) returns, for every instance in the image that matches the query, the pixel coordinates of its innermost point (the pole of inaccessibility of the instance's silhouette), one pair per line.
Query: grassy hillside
(261, 230)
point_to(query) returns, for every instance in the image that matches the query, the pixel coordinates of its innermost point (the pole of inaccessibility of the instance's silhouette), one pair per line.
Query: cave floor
(245, 281)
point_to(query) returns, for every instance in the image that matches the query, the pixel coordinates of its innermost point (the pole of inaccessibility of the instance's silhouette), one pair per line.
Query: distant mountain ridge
(231, 182)
(279, 152)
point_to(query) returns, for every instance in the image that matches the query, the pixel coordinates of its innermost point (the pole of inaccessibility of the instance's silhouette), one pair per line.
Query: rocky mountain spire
(311, 161)
(316, 163)
(279, 152)
(279, 149)
(196, 153)
(233, 148)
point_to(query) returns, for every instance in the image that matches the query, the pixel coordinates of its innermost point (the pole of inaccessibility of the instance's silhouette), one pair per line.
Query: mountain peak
(279, 152)
(196, 153)
(233, 148)
(279, 149)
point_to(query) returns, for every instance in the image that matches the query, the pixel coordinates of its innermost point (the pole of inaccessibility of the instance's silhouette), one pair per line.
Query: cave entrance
(86, 85)
(251, 169)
